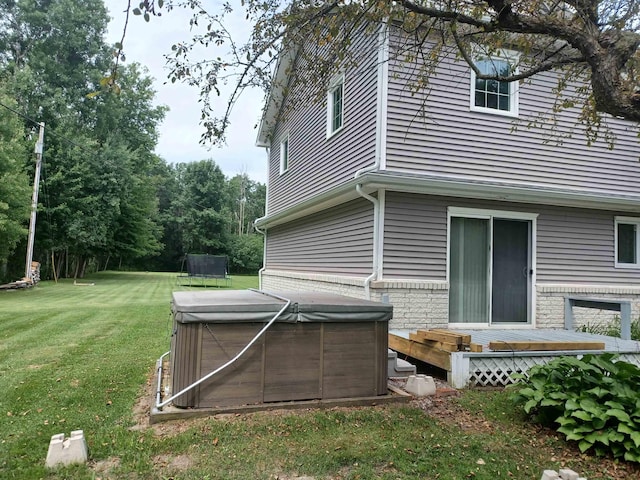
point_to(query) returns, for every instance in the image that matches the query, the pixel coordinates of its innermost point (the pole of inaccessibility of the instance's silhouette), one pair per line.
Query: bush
(593, 400)
(245, 253)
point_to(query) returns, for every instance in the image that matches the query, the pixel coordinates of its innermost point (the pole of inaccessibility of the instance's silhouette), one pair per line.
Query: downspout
(263, 232)
(381, 111)
(376, 223)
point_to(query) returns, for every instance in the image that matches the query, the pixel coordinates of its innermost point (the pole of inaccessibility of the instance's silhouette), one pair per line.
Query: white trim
(336, 81)
(382, 97)
(453, 187)
(487, 213)
(490, 214)
(409, 284)
(285, 144)
(628, 221)
(514, 87)
(597, 289)
(275, 96)
(495, 326)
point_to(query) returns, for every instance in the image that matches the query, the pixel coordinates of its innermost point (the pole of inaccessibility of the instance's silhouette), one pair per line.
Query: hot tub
(322, 346)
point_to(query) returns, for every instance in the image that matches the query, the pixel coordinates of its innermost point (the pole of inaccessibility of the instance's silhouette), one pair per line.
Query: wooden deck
(492, 367)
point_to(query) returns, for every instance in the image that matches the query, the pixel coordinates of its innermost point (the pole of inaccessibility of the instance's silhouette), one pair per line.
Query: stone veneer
(425, 303)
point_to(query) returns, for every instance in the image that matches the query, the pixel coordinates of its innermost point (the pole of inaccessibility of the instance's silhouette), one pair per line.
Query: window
(335, 105)
(494, 96)
(284, 154)
(627, 238)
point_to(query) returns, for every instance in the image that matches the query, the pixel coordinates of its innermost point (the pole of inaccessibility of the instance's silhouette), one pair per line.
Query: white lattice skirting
(496, 370)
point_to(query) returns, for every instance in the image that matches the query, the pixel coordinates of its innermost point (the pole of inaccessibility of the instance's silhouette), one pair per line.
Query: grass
(78, 357)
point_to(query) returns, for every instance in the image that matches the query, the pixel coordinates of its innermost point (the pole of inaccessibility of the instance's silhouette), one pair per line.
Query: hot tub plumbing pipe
(161, 405)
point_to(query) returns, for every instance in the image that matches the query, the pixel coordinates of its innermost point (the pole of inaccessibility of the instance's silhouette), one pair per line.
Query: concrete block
(550, 475)
(568, 474)
(64, 452)
(397, 367)
(420, 385)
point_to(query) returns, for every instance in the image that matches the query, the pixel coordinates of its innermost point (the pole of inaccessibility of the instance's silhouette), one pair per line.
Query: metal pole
(34, 203)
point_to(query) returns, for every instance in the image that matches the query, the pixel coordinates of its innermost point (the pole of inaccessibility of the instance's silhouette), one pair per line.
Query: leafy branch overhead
(592, 41)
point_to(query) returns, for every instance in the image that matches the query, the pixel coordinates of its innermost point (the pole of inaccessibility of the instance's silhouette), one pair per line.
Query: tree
(99, 181)
(197, 214)
(14, 182)
(589, 41)
(246, 202)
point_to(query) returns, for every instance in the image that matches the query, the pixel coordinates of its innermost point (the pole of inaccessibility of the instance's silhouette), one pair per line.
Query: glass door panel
(469, 270)
(510, 271)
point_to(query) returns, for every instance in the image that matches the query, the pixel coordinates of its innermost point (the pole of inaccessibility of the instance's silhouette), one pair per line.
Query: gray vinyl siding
(338, 240)
(573, 245)
(449, 139)
(316, 163)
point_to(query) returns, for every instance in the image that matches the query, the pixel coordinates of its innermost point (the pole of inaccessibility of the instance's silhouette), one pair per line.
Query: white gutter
(381, 122)
(263, 232)
(376, 228)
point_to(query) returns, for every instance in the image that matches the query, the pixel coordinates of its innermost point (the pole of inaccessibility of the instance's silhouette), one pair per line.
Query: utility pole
(34, 202)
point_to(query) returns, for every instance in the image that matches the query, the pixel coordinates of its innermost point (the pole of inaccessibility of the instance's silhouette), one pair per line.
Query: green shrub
(611, 329)
(245, 253)
(594, 401)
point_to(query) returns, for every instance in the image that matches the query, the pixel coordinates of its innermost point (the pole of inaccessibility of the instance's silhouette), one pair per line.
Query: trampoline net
(207, 265)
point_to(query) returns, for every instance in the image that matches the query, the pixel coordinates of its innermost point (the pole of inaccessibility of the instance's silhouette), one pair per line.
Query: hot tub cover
(253, 306)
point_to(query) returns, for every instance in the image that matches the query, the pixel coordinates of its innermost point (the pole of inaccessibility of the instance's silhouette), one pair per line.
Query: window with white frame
(284, 154)
(495, 96)
(627, 239)
(335, 105)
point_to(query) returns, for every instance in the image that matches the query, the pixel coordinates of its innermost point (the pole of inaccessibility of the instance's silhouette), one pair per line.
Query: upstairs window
(335, 105)
(494, 96)
(627, 238)
(284, 154)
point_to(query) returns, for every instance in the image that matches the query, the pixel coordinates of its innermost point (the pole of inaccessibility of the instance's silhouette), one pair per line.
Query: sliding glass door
(469, 271)
(490, 270)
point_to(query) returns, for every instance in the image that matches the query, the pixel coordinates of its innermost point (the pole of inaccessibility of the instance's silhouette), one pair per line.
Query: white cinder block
(420, 385)
(64, 452)
(568, 474)
(549, 475)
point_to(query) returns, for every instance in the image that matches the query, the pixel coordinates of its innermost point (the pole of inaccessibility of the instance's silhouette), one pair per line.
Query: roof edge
(452, 187)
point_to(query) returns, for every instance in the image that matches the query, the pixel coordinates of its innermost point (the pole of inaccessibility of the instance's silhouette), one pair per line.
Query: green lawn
(78, 357)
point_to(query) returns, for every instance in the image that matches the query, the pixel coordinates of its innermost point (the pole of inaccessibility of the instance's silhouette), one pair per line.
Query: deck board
(496, 367)
(484, 336)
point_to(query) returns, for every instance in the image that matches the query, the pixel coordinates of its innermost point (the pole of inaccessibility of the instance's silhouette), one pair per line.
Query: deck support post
(458, 376)
(625, 321)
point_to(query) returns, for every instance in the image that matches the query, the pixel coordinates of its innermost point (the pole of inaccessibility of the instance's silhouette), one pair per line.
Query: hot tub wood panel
(292, 362)
(349, 360)
(241, 382)
(185, 366)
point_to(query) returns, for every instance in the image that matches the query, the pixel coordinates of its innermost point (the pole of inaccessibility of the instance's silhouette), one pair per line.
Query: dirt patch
(142, 411)
(178, 463)
(284, 476)
(104, 469)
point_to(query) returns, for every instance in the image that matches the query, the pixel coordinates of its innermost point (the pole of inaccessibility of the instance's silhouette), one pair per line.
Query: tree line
(106, 199)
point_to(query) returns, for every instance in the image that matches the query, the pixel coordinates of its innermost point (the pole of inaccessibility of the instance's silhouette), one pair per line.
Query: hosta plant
(594, 400)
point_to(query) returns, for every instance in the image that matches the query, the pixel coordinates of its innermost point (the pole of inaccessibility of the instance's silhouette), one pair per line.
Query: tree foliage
(201, 212)
(592, 42)
(14, 183)
(106, 199)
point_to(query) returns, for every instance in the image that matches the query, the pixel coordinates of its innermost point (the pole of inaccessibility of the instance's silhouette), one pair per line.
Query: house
(466, 207)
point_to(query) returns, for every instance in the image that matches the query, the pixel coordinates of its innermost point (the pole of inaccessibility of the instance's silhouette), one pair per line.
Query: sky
(146, 43)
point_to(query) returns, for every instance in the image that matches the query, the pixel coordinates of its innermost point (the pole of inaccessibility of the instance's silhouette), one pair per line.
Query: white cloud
(146, 43)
